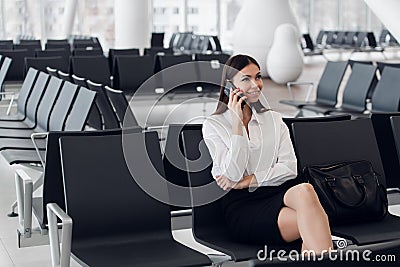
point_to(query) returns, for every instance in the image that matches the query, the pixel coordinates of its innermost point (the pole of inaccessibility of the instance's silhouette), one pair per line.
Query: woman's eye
(258, 77)
(245, 79)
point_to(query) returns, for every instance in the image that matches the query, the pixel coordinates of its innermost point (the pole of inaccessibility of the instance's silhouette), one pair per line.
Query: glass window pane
(202, 16)
(301, 9)
(354, 15)
(168, 17)
(97, 19)
(228, 13)
(325, 16)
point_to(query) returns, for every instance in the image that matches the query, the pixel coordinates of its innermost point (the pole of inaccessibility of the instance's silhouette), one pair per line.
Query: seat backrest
(188, 72)
(58, 46)
(52, 72)
(26, 90)
(5, 65)
(289, 121)
(329, 83)
(91, 165)
(41, 63)
(93, 68)
(16, 71)
(120, 52)
(53, 189)
(210, 70)
(36, 96)
(198, 158)
(121, 106)
(131, 71)
(371, 39)
(80, 110)
(395, 122)
(174, 163)
(320, 38)
(351, 62)
(386, 95)
(360, 40)
(350, 38)
(62, 106)
(6, 44)
(31, 47)
(386, 140)
(46, 105)
(167, 61)
(82, 52)
(360, 82)
(59, 52)
(323, 143)
(308, 41)
(157, 39)
(110, 119)
(382, 65)
(65, 76)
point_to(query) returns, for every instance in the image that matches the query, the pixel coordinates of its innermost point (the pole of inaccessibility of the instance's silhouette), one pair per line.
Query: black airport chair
(140, 223)
(121, 107)
(328, 142)
(208, 223)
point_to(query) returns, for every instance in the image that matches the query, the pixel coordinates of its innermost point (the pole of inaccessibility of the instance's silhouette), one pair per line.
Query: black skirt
(252, 217)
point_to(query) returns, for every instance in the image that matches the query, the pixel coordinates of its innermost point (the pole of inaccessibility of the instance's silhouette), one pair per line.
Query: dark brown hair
(232, 66)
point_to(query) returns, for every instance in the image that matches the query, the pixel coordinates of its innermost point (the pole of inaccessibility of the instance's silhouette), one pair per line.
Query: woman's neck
(247, 113)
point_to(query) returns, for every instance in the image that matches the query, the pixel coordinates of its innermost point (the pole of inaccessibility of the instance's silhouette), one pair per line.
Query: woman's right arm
(230, 158)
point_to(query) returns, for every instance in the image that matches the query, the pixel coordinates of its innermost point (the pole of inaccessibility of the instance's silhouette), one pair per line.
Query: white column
(387, 11)
(132, 23)
(69, 17)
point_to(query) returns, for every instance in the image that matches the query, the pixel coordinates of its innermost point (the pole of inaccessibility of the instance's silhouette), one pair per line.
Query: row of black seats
(89, 160)
(357, 41)
(362, 88)
(130, 72)
(190, 43)
(111, 106)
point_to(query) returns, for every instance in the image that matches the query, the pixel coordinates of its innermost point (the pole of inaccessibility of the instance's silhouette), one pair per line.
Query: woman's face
(249, 81)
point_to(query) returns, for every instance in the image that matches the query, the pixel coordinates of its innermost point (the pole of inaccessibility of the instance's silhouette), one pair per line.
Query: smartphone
(229, 85)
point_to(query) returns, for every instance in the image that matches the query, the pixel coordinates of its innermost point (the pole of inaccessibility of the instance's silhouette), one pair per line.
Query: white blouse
(267, 151)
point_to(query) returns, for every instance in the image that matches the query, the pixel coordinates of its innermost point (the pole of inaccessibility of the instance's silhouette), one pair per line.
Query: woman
(251, 149)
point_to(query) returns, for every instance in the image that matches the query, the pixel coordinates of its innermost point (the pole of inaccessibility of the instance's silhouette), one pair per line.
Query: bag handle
(360, 184)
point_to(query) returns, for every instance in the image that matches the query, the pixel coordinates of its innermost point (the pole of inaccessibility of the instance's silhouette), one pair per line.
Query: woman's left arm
(285, 168)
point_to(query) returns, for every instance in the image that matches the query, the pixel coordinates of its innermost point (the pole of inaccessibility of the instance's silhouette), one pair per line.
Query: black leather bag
(349, 191)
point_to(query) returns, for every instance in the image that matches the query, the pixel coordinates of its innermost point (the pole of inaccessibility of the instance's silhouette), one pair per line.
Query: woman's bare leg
(304, 217)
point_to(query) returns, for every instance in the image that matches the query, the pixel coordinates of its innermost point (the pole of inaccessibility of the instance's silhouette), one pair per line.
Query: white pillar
(387, 11)
(132, 23)
(69, 17)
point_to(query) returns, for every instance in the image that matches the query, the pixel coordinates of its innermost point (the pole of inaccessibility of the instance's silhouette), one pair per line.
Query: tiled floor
(11, 255)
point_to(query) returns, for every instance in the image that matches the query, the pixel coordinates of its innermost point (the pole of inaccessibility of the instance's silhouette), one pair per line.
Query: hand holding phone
(229, 85)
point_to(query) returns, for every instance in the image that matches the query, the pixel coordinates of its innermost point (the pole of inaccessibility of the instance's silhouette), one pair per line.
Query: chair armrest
(34, 137)
(59, 258)
(11, 100)
(310, 88)
(24, 188)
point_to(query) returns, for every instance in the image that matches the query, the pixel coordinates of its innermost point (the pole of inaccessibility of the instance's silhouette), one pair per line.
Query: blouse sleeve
(285, 167)
(228, 160)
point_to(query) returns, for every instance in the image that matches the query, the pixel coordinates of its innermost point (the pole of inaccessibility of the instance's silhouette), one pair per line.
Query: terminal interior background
(106, 20)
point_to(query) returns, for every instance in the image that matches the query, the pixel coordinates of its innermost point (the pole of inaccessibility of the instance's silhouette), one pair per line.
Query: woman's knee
(306, 195)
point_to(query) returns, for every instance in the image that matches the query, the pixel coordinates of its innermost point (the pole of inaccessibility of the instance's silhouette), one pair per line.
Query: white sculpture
(285, 59)
(255, 26)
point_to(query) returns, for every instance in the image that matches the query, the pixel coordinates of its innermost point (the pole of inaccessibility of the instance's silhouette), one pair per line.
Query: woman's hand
(246, 182)
(224, 183)
(235, 107)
